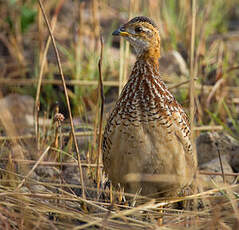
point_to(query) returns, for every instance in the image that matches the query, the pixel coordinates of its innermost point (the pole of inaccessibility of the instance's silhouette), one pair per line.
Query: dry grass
(35, 190)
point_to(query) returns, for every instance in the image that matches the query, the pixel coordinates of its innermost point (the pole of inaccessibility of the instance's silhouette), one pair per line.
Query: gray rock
(24, 189)
(47, 171)
(234, 161)
(19, 107)
(37, 188)
(209, 143)
(71, 176)
(214, 166)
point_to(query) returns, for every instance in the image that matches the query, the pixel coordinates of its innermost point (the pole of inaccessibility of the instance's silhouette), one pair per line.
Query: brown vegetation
(47, 182)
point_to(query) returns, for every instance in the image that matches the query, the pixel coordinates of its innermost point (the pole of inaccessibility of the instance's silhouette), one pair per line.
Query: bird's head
(143, 35)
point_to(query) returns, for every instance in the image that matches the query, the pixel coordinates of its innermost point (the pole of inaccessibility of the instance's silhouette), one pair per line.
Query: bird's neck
(151, 56)
(148, 60)
(144, 66)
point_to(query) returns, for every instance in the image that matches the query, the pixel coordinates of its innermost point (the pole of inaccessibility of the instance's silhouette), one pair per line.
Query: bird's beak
(120, 32)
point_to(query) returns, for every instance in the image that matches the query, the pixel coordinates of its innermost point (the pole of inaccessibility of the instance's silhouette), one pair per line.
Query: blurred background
(31, 91)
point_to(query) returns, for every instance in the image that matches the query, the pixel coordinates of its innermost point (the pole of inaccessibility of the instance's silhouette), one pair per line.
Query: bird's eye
(138, 29)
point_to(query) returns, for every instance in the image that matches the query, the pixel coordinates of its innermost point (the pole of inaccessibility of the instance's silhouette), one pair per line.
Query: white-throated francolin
(147, 132)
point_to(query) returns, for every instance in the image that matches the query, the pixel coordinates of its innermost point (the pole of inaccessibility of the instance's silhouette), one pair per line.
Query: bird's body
(147, 132)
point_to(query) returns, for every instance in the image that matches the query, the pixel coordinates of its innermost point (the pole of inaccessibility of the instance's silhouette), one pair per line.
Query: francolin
(147, 133)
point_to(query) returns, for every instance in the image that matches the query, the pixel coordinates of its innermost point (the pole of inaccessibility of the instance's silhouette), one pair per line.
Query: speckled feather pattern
(145, 98)
(147, 132)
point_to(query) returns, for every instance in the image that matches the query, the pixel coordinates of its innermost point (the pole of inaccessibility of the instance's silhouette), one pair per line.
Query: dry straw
(66, 96)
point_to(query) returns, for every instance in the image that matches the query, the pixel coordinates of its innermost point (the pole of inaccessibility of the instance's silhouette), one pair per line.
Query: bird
(147, 133)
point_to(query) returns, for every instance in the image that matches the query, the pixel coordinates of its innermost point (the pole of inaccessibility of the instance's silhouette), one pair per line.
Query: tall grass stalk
(66, 95)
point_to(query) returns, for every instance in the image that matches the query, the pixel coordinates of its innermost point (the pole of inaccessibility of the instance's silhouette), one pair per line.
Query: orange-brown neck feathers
(152, 52)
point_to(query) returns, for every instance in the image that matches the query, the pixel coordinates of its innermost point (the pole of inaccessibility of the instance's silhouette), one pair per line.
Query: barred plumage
(148, 131)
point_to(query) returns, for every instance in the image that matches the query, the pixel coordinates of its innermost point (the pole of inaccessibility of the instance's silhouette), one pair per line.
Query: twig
(126, 50)
(213, 91)
(51, 163)
(101, 87)
(33, 168)
(220, 160)
(26, 82)
(29, 136)
(121, 70)
(191, 86)
(208, 127)
(232, 69)
(180, 84)
(37, 101)
(66, 95)
(202, 172)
